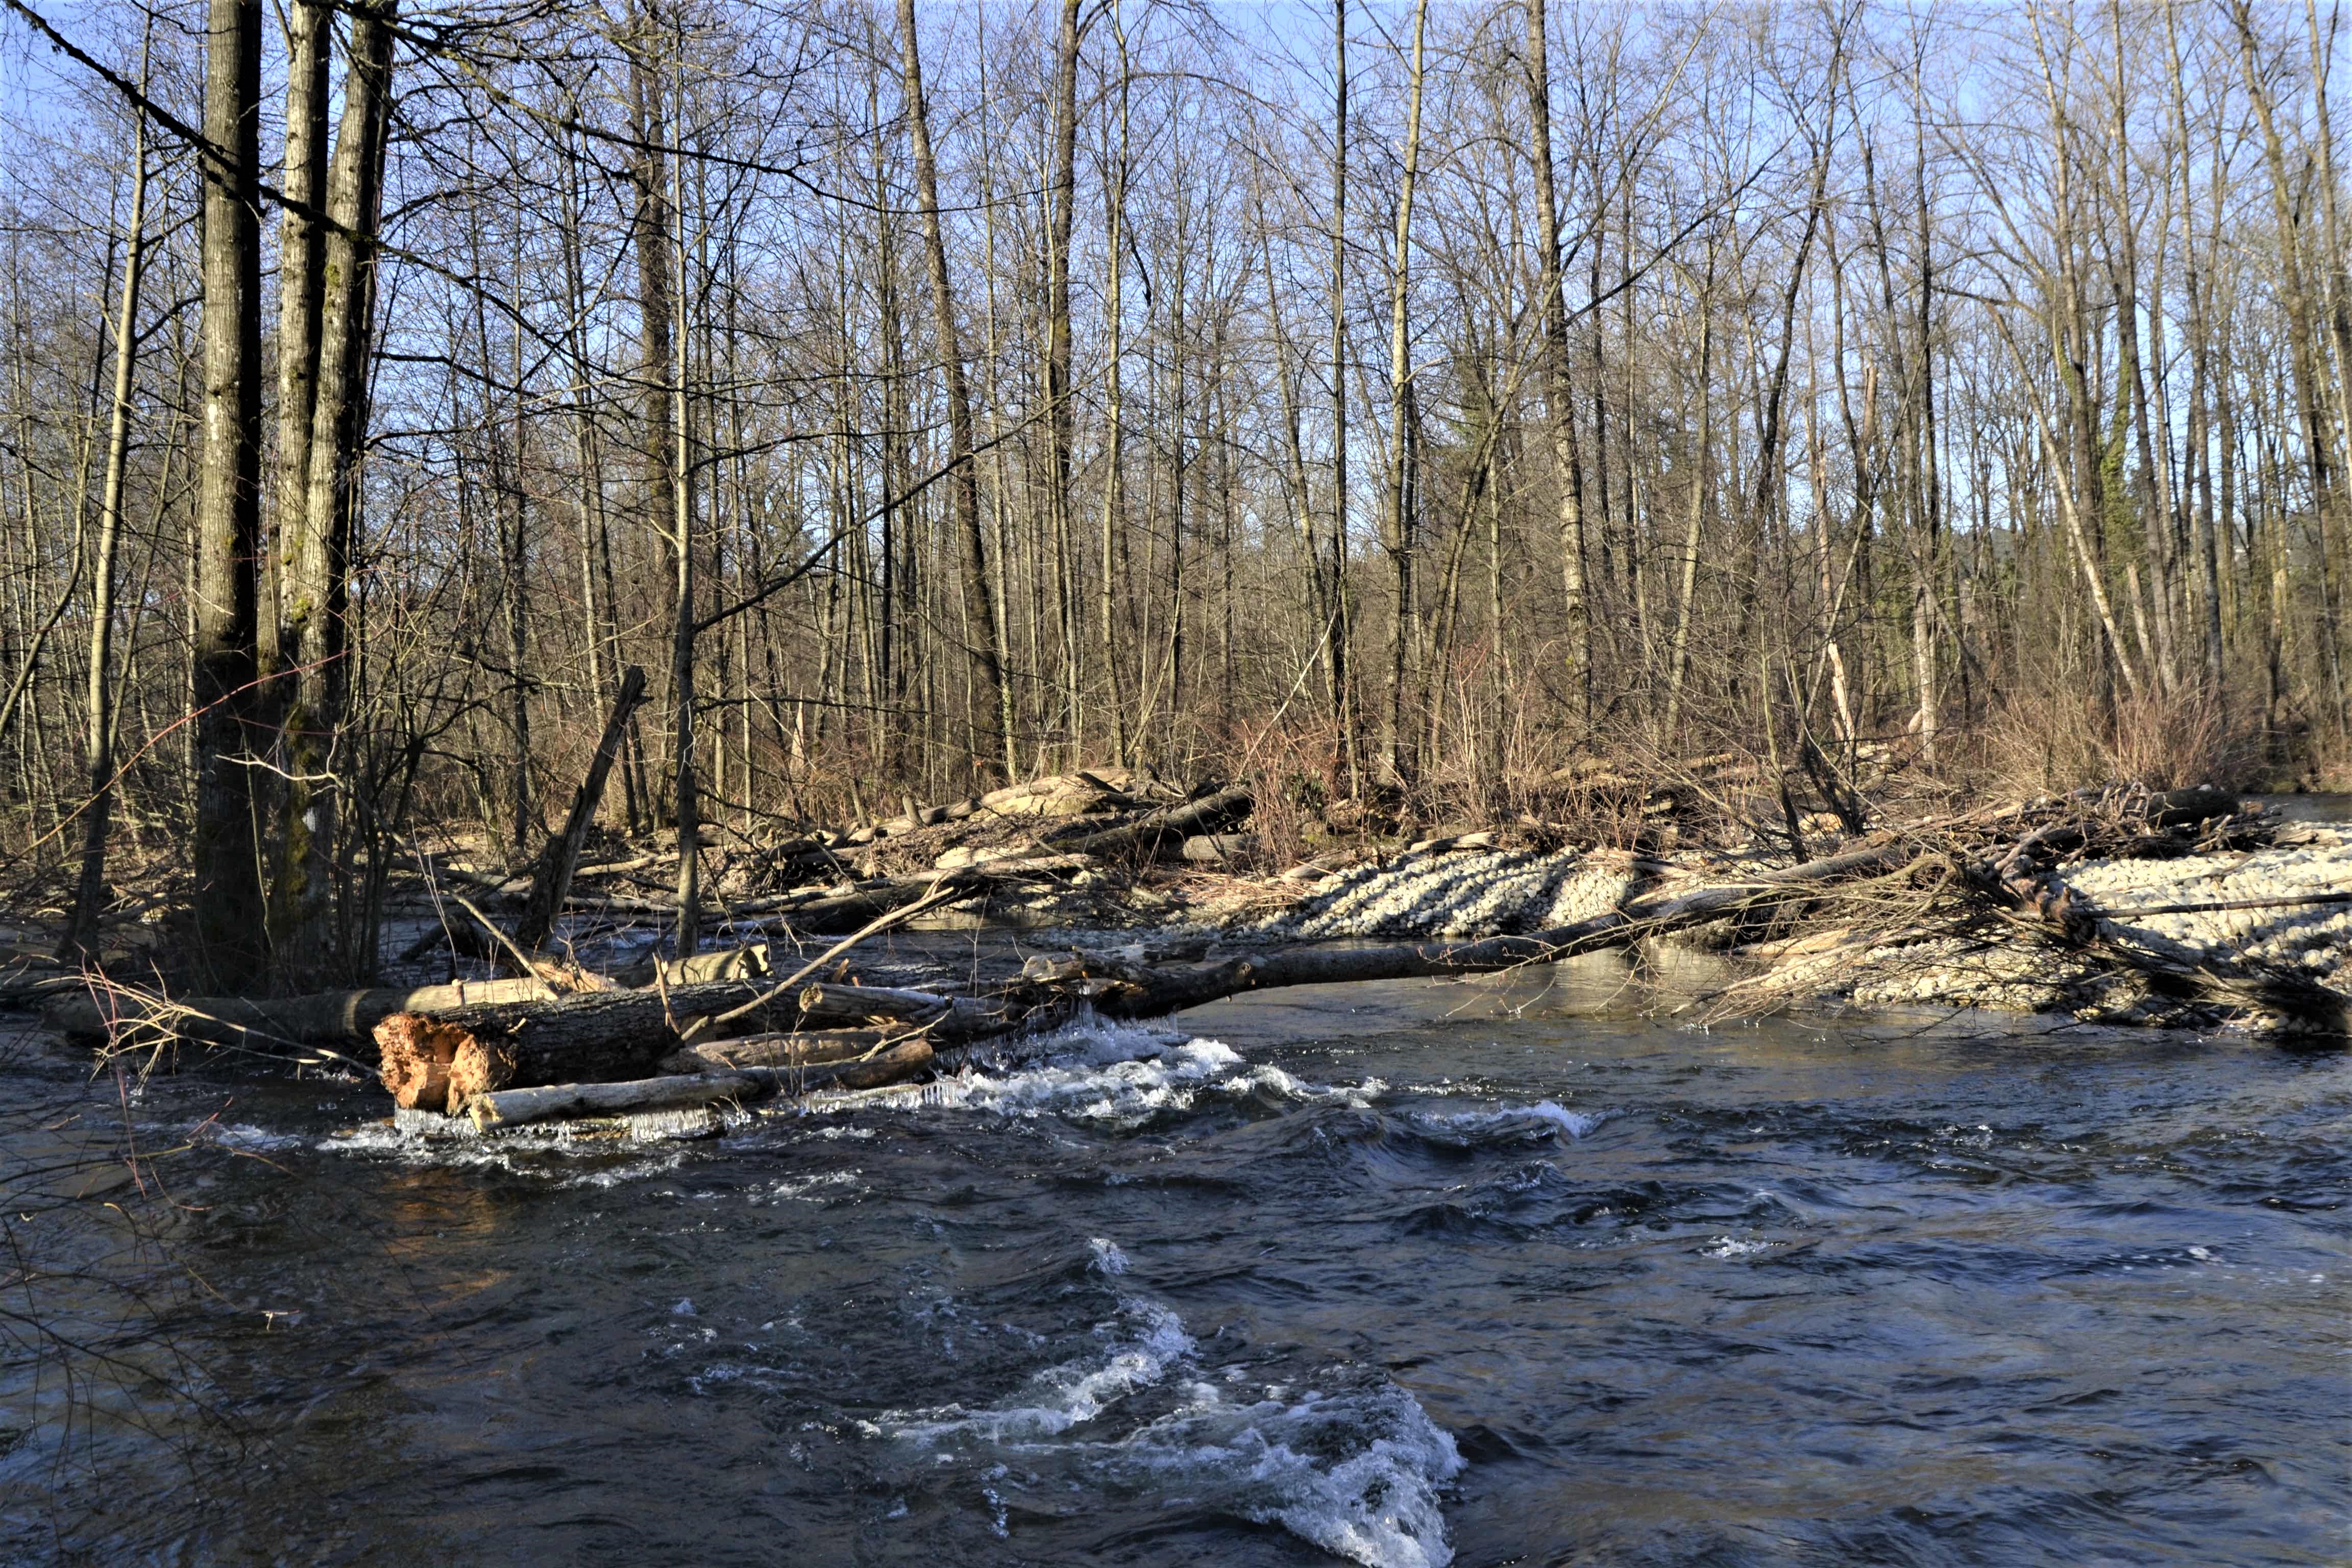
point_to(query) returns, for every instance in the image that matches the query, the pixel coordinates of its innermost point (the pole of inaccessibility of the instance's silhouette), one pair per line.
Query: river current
(1501, 1272)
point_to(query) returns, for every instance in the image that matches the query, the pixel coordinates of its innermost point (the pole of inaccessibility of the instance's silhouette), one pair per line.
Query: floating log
(568, 1102)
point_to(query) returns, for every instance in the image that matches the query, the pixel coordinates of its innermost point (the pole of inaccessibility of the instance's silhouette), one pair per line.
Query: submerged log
(567, 1101)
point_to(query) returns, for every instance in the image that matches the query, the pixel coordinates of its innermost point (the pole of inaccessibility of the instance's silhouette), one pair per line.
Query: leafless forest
(1383, 402)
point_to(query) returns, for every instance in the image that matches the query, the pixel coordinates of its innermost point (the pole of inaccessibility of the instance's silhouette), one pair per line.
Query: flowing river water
(1512, 1271)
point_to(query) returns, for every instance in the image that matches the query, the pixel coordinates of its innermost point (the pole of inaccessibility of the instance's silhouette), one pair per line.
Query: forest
(1402, 408)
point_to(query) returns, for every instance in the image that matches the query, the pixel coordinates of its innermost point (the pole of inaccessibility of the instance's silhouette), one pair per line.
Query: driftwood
(790, 1050)
(1166, 828)
(2019, 890)
(551, 882)
(1144, 992)
(946, 1017)
(571, 1101)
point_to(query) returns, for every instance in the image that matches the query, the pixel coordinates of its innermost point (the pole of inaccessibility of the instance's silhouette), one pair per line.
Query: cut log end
(418, 1055)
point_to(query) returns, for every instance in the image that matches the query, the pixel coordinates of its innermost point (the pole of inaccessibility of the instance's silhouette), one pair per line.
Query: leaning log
(551, 883)
(2060, 914)
(571, 1101)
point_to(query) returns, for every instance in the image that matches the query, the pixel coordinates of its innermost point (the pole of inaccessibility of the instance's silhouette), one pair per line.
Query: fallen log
(1151, 993)
(598, 1035)
(339, 1018)
(1167, 827)
(416, 1053)
(1078, 789)
(946, 1017)
(571, 1101)
(790, 1050)
(606, 1036)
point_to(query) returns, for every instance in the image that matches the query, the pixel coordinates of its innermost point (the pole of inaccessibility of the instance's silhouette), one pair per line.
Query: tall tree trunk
(98, 751)
(1342, 631)
(1688, 596)
(1404, 631)
(301, 251)
(1114, 502)
(315, 575)
(1560, 391)
(983, 607)
(1062, 194)
(2303, 355)
(228, 903)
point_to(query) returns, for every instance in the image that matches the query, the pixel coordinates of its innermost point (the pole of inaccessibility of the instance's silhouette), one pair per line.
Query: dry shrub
(2042, 742)
(1292, 772)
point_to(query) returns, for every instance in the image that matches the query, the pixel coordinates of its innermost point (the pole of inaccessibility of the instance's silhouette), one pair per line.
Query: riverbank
(2120, 905)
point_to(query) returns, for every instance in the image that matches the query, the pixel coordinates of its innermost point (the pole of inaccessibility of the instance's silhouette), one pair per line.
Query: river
(1512, 1271)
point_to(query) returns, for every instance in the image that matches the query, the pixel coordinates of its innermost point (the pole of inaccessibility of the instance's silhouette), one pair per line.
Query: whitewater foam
(1350, 1461)
(1062, 1396)
(1115, 1075)
(1357, 1471)
(1510, 1118)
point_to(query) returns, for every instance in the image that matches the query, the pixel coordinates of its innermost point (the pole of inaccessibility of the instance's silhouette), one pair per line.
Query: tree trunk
(227, 901)
(1404, 633)
(97, 753)
(302, 255)
(964, 473)
(1560, 391)
(314, 577)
